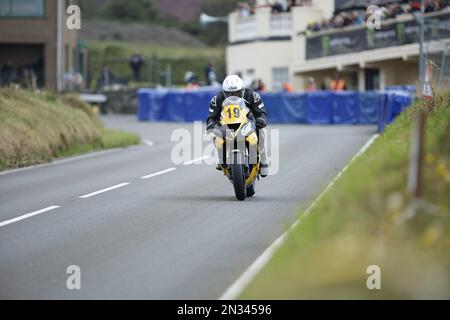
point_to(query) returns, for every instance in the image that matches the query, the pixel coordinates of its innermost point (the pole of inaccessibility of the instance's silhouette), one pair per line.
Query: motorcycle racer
(233, 86)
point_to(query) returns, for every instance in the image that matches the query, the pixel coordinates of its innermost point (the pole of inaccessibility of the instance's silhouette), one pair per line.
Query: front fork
(248, 146)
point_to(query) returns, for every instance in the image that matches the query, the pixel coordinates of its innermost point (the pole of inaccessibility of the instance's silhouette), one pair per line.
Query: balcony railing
(262, 25)
(281, 24)
(245, 28)
(395, 32)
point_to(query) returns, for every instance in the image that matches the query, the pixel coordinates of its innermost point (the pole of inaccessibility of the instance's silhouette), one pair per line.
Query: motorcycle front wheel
(238, 177)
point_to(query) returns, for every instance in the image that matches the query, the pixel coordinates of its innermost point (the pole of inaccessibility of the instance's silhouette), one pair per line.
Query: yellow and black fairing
(235, 132)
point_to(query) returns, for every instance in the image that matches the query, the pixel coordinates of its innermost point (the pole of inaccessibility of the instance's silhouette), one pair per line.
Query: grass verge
(357, 224)
(39, 127)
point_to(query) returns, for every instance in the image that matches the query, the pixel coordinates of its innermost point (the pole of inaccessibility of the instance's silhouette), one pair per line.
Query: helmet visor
(239, 94)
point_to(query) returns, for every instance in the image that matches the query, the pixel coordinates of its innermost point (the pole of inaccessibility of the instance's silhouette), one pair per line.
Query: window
(22, 8)
(279, 77)
(4, 7)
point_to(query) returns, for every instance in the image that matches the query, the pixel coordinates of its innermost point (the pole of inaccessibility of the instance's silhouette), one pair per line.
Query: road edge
(235, 290)
(83, 156)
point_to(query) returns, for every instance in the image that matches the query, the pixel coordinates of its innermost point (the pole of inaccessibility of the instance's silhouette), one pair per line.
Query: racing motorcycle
(237, 144)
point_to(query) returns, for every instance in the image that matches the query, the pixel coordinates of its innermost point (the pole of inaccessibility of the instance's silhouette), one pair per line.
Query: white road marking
(61, 161)
(28, 215)
(158, 173)
(188, 163)
(233, 292)
(104, 190)
(148, 143)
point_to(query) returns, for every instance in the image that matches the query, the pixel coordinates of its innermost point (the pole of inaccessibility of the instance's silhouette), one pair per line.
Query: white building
(276, 48)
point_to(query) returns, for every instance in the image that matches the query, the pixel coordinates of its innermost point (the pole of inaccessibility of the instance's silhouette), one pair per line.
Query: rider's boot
(264, 168)
(220, 157)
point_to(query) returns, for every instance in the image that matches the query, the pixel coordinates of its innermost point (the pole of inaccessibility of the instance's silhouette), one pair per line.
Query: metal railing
(253, 27)
(245, 28)
(281, 24)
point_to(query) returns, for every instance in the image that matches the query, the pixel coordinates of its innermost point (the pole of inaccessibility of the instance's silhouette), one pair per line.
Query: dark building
(29, 40)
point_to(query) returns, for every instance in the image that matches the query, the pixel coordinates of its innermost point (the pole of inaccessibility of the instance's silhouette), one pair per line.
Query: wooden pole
(418, 136)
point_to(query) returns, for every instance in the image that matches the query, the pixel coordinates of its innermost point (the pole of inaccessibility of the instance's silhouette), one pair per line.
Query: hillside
(183, 10)
(97, 30)
(182, 15)
(39, 127)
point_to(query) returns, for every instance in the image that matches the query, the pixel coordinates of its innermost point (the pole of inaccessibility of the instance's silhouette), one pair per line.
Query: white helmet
(233, 86)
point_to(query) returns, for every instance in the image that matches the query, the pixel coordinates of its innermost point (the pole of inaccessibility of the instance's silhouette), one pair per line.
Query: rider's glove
(261, 122)
(211, 126)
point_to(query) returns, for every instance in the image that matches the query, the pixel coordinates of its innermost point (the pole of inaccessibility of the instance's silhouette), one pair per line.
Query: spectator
(136, 63)
(26, 77)
(339, 21)
(292, 3)
(347, 20)
(210, 74)
(106, 78)
(244, 9)
(191, 81)
(261, 86)
(407, 8)
(38, 68)
(325, 24)
(193, 86)
(288, 87)
(338, 83)
(357, 18)
(311, 85)
(415, 6)
(277, 7)
(7, 74)
(298, 3)
(398, 10)
(389, 11)
(189, 76)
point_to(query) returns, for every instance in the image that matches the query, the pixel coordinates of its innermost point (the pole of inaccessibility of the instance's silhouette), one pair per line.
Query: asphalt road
(176, 235)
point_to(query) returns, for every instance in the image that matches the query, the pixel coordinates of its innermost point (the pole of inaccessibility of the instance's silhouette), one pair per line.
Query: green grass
(181, 59)
(148, 49)
(357, 224)
(39, 127)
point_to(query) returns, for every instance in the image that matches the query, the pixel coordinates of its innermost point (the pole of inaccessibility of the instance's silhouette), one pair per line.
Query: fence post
(418, 136)
(150, 70)
(443, 64)
(169, 75)
(156, 69)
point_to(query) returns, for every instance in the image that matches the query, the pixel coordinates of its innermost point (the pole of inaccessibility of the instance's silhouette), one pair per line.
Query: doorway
(372, 79)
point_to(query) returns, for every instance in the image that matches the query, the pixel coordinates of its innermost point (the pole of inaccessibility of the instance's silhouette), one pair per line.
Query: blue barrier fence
(322, 107)
(407, 88)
